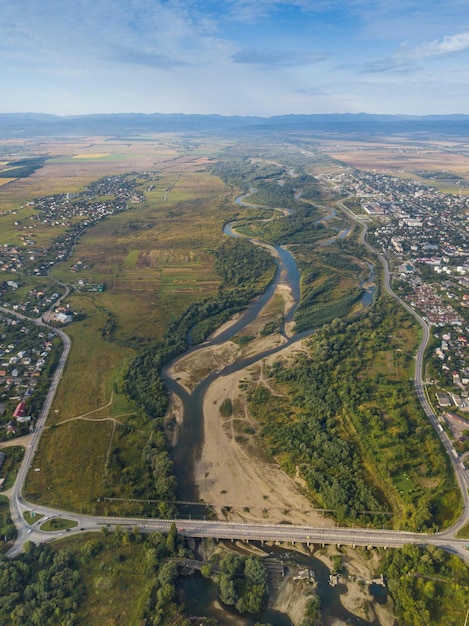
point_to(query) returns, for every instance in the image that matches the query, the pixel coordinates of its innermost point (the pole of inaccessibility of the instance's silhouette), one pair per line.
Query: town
(28, 355)
(423, 235)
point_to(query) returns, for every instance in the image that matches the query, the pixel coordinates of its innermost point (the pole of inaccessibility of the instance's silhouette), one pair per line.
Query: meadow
(154, 259)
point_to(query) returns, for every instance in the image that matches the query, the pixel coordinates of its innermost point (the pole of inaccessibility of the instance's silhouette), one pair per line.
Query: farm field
(402, 158)
(154, 259)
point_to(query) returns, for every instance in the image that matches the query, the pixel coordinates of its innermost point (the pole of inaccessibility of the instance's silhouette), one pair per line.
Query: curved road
(231, 530)
(462, 475)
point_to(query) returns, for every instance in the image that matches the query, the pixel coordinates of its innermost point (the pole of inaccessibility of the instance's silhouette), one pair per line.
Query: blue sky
(237, 57)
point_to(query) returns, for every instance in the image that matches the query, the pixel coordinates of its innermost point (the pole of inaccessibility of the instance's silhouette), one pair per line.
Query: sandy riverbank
(233, 474)
(291, 596)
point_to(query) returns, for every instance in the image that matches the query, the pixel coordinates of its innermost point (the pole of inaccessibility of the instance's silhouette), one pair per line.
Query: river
(199, 594)
(190, 438)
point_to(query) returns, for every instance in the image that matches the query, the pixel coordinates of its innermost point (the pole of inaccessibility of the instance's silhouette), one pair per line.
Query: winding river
(187, 449)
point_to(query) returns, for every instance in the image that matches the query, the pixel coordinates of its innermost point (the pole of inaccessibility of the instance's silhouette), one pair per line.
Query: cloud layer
(260, 57)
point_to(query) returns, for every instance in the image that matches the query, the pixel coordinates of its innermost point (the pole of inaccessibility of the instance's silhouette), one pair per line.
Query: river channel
(199, 594)
(187, 448)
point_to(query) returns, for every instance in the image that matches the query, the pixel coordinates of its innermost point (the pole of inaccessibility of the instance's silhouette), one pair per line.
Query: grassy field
(154, 259)
(401, 158)
(56, 523)
(14, 456)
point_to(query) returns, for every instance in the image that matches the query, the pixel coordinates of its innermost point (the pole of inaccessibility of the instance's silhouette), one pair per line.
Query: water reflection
(199, 595)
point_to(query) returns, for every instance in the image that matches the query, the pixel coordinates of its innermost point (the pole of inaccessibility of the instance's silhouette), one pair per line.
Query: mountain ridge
(37, 124)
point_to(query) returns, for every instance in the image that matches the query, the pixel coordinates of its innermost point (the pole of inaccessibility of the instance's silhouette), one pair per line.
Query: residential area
(28, 355)
(423, 235)
(72, 214)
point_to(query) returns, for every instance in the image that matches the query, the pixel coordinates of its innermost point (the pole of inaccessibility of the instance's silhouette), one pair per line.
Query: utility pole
(467, 615)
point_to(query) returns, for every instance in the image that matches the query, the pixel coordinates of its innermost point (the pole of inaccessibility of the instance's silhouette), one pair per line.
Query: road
(16, 502)
(462, 475)
(241, 531)
(279, 533)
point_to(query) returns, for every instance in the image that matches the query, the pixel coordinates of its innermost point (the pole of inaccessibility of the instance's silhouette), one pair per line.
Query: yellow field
(95, 155)
(5, 181)
(399, 157)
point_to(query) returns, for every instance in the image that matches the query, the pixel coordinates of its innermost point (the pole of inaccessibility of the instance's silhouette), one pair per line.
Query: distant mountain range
(360, 124)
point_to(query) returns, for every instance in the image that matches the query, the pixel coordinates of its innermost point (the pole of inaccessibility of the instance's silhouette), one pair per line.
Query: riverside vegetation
(345, 417)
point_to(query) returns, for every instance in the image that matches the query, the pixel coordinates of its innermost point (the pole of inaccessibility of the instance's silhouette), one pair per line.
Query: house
(443, 399)
(20, 410)
(63, 318)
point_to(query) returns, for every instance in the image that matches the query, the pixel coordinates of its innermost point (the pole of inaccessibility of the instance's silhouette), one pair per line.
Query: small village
(72, 214)
(27, 354)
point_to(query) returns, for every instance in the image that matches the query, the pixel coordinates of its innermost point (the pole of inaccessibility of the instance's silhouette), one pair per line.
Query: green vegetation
(7, 528)
(13, 457)
(347, 419)
(428, 586)
(243, 583)
(299, 228)
(245, 269)
(57, 523)
(31, 517)
(21, 168)
(464, 532)
(96, 579)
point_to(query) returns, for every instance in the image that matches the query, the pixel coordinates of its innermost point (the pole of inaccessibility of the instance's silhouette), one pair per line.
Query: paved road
(462, 475)
(242, 531)
(16, 506)
(231, 530)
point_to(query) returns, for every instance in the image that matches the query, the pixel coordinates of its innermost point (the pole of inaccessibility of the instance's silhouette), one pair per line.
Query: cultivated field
(154, 259)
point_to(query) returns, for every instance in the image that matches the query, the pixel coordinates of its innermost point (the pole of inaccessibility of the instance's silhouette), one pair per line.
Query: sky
(234, 57)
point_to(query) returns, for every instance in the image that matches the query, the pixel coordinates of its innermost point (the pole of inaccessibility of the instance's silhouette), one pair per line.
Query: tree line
(356, 436)
(245, 270)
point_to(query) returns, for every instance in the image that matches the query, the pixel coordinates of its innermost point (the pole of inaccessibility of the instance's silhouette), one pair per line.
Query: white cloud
(448, 45)
(404, 60)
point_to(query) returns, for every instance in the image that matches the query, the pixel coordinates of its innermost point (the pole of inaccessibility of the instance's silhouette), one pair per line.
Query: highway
(231, 530)
(277, 533)
(462, 475)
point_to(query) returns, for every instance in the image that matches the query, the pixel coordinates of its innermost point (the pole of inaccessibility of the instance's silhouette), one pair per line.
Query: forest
(428, 586)
(51, 584)
(353, 427)
(22, 168)
(243, 583)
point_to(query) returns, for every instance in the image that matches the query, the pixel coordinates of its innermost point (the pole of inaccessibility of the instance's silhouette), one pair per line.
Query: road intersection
(287, 533)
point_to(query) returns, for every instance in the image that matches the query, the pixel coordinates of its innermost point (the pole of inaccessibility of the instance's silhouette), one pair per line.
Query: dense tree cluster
(338, 421)
(149, 476)
(428, 586)
(46, 586)
(40, 587)
(22, 168)
(161, 606)
(242, 172)
(243, 583)
(240, 264)
(300, 227)
(312, 440)
(7, 528)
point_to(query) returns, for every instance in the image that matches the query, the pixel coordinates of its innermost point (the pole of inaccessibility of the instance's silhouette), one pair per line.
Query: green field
(154, 259)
